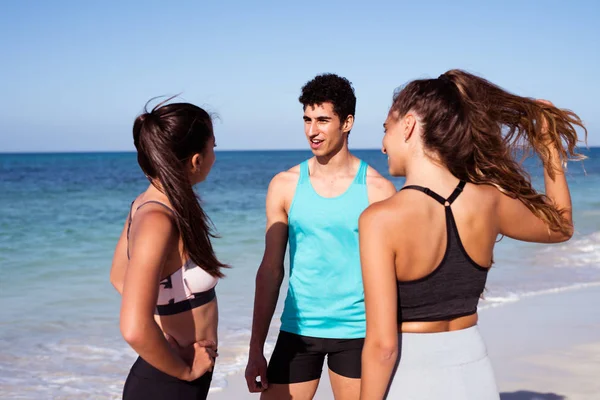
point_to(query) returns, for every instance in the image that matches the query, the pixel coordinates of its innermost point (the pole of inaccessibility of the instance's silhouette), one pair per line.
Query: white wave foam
(496, 301)
(581, 252)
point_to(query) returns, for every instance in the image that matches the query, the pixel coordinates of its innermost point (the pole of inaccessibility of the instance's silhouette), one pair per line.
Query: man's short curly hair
(333, 89)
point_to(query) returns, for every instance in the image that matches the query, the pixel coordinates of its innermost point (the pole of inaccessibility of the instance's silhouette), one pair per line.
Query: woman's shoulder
(399, 208)
(484, 195)
(152, 215)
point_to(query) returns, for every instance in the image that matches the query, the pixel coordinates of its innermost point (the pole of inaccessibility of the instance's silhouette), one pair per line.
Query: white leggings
(443, 366)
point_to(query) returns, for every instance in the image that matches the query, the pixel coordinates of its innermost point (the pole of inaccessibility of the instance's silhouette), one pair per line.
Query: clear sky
(74, 74)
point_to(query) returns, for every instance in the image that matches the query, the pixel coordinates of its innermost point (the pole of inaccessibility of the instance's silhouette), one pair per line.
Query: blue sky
(75, 74)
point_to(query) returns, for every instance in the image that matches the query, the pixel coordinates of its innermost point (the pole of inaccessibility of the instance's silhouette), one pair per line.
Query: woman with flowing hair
(164, 264)
(427, 250)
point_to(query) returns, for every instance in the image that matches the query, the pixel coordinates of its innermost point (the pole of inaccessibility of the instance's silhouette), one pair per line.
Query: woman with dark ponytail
(426, 251)
(164, 264)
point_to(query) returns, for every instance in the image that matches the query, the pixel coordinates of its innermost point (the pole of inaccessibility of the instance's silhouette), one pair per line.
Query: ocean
(61, 215)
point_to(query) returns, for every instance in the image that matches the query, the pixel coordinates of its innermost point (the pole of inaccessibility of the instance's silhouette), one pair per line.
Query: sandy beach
(544, 347)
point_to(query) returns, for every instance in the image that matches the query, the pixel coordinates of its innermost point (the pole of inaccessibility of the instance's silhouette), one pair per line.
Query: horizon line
(134, 151)
(17, 152)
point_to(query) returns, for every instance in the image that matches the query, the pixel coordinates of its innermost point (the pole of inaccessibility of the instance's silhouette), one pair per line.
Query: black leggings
(145, 382)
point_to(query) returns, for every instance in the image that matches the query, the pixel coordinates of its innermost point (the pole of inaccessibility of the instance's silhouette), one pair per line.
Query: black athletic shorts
(148, 383)
(300, 358)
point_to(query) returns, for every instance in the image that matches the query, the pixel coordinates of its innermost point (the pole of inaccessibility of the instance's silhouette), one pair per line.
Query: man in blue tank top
(315, 206)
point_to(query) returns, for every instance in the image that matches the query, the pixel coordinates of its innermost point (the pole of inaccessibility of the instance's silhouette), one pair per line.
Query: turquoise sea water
(60, 217)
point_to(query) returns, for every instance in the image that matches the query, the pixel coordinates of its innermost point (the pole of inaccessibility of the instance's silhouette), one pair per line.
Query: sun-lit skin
(395, 142)
(198, 325)
(332, 171)
(201, 164)
(325, 133)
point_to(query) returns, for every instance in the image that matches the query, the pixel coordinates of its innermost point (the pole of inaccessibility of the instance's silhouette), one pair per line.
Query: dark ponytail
(479, 131)
(166, 138)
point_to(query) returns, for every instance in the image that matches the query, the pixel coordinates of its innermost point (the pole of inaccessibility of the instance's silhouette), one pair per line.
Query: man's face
(324, 130)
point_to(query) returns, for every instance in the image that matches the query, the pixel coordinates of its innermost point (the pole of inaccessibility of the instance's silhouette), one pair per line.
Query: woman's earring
(405, 139)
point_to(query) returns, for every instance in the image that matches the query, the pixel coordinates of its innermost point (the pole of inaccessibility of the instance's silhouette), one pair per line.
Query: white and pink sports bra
(187, 288)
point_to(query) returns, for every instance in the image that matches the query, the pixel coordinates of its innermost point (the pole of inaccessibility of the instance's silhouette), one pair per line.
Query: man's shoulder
(285, 180)
(378, 182)
(372, 173)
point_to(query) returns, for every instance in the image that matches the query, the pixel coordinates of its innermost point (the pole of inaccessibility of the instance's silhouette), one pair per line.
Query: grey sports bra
(452, 290)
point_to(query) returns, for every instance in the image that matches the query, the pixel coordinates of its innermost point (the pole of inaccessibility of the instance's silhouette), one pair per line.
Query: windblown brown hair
(166, 138)
(478, 130)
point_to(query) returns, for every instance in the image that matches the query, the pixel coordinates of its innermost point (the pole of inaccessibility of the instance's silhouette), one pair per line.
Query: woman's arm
(379, 278)
(119, 262)
(518, 222)
(152, 236)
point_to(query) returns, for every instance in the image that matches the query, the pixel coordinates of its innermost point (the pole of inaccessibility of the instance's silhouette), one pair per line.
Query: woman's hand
(200, 356)
(186, 353)
(205, 352)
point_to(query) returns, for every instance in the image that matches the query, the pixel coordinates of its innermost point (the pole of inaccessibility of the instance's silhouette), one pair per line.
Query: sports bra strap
(428, 192)
(155, 202)
(129, 226)
(457, 191)
(140, 206)
(437, 197)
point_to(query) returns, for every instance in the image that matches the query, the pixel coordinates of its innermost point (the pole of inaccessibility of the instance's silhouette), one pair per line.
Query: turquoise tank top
(325, 297)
